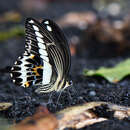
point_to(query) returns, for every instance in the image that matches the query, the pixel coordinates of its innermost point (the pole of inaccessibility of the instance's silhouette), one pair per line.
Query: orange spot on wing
(36, 68)
(27, 84)
(32, 56)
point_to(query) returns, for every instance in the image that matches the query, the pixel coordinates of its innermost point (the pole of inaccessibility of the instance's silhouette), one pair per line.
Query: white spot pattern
(35, 28)
(23, 70)
(38, 34)
(41, 45)
(11, 75)
(45, 58)
(25, 53)
(43, 52)
(40, 40)
(31, 21)
(47, 72)
(13, 80)
(46, 22)
(15, 62)
(49, 28)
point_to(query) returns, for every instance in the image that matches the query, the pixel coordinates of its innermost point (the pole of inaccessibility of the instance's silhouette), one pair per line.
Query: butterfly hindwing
(27, 70)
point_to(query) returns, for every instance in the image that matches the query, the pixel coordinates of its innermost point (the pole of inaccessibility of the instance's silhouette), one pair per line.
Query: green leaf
(113, 74)
(10, 33)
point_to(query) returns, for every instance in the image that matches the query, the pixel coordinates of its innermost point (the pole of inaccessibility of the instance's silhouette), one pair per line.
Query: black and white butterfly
(46, 60)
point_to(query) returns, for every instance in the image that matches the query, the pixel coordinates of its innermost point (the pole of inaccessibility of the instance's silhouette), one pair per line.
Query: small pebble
(91, 85)
(92, 93)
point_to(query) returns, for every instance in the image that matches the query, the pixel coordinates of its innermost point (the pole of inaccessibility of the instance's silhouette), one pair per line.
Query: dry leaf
(5, 105)
(90, 113)
(74, 117)
(42, 120)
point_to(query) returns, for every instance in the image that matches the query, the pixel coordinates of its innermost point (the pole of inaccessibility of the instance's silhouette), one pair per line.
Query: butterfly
(46, 60)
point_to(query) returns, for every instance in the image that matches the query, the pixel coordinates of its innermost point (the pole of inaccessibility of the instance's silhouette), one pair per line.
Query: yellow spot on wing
(32, 56)
(36, 68)
(26, 84)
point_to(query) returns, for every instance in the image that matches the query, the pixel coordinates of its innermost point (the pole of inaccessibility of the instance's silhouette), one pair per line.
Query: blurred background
(98, 33)
(94, 28)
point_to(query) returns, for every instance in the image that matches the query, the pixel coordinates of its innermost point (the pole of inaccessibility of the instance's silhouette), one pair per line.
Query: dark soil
(84, 89)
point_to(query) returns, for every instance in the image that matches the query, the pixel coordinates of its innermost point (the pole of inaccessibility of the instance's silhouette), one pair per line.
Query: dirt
(84, 89)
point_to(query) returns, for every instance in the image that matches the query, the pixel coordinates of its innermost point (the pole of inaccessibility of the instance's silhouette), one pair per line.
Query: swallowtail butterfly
(46, 60)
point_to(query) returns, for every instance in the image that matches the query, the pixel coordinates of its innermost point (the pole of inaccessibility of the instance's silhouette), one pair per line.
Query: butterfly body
(46, 60)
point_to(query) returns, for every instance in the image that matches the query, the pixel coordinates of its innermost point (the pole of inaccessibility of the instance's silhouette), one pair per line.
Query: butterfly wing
(48, 50)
